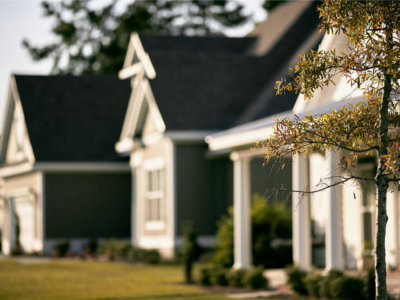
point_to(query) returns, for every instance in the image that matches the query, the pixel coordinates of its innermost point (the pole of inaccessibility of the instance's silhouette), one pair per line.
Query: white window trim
(154, 225)
(150, 165)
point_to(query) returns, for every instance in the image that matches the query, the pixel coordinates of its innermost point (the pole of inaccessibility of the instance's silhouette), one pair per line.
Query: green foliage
(148, 256)
(334, 285)
(236, 277)
(94, 39)
(219, 276)
(324, 285)
(115, 249)
(346, 287)
(369, 284)
(224, 246)
(254, 279)
(191, 250)
(370, 63)
(205, 275)
(61, 248)
(296, 279)
(92, 246)
(312, 283)
(269, 221)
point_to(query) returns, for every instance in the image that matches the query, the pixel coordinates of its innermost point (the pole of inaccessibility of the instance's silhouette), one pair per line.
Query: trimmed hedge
(219, 276)
(296, 279)
(346, 287)
(252, 279)
(334, 285)
(114, 249)
(311, 282)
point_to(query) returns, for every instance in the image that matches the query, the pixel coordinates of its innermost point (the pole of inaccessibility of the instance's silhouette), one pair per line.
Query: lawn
(66, 279)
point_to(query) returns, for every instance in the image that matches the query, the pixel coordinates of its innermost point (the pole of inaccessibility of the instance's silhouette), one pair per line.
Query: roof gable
(73, 118)
(332, 93)
(136, 60)
(15, 143)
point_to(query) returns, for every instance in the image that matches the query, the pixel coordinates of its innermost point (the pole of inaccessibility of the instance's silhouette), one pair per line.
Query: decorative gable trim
(141, 103)
(13, 105)
(136, 60)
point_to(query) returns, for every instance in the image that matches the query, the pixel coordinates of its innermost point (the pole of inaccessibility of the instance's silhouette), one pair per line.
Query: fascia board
(22, 168)
(13, 103)
(82, 166)
(248, 134)
(7, 120)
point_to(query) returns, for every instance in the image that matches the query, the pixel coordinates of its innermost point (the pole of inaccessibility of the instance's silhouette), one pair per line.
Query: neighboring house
(184, 89)
(342, 217)
(60, 174)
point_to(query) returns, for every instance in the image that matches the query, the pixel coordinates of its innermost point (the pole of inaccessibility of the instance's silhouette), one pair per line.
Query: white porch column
(242, 218)
(301, 214)
(333, 234)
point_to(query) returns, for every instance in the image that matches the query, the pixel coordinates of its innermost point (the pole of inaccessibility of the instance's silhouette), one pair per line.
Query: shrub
(224, 246)
(191, 251)
(270, 221)
(61, 248)
(254, 279)
(312, 283)
(219, 276)
(346, 287)
(205, 275)
(148, 256)
(92, 246)
(295, 278)
(236, 277)
(324, 286)
(369, 284)
(115, 249)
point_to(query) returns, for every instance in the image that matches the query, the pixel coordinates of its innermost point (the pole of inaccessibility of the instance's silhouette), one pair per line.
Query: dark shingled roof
(195, 44)
(214, 83)
(73, 118)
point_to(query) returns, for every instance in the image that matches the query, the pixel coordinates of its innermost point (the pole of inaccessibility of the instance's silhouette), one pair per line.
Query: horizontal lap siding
(271, 180)
(204, 188)
(87, 205)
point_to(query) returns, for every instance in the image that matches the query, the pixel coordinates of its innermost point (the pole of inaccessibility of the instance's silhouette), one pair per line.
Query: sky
(21, 19)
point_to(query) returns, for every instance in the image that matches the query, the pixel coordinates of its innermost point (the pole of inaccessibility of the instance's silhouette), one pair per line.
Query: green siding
(269, 179)
(88, 205)
(204, 188)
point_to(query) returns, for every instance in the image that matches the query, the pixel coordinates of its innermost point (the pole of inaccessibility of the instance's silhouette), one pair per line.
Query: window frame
(154, 194)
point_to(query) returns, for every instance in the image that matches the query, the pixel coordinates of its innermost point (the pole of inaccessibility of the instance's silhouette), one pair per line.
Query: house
(61, 178)
(342, 217)
(187, 88)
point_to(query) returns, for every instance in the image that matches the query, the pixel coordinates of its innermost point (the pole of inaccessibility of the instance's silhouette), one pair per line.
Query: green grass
(61, 279)
(81, 280)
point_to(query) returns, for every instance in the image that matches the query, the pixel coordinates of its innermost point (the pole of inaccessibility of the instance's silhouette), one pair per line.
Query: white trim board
(249, 133)
(18, 169)
(82, 166)
(135, 48)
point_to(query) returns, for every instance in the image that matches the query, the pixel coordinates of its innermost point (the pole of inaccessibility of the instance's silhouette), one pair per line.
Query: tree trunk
(380, 253)
(382, 185)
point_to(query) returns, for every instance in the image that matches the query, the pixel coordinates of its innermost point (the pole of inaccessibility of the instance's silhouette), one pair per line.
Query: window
(154, 195)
